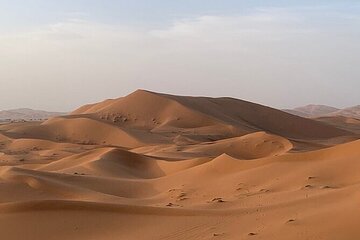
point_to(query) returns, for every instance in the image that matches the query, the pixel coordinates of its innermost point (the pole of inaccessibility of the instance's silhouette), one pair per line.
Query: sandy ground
(156, 166)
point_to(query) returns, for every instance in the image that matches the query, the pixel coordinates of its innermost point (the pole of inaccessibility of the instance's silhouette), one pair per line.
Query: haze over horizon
(60, 55)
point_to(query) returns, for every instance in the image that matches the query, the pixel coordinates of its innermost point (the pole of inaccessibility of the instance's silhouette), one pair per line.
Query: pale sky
(58, 55)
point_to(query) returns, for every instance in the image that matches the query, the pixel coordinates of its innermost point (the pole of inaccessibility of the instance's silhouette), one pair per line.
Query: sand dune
(147, 109)
(250, 146)
(157, 166)
(77, 130)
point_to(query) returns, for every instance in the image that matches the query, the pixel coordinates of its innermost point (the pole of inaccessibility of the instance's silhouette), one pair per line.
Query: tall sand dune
(151, 109)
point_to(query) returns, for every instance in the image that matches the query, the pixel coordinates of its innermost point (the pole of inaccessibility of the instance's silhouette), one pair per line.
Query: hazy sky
(58, 55)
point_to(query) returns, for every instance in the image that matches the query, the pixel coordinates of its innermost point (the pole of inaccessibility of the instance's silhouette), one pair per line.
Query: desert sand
(158, 166)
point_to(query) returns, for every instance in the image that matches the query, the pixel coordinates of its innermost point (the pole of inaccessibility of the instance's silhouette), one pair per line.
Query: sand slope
(156, 166)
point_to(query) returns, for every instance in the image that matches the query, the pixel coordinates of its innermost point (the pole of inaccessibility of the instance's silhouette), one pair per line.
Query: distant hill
(312, 110)
(353, 112)
(316, 111)
(27, 114)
